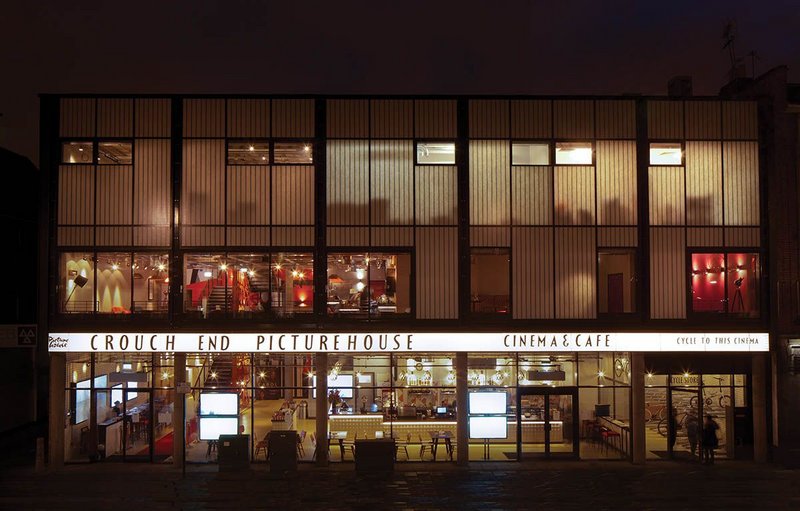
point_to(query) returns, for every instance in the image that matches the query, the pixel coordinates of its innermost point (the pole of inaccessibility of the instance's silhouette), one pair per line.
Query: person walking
(674, 426)
(710, 440)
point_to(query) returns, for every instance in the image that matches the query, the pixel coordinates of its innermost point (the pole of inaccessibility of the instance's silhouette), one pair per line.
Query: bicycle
(621, 367)
(723, 400)
(654, 412)
(663, 424)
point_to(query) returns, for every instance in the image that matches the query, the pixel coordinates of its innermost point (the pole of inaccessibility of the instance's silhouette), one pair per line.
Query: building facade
(503, 277)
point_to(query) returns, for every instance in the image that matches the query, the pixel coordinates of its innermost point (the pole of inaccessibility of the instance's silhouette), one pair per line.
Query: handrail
(200, 377)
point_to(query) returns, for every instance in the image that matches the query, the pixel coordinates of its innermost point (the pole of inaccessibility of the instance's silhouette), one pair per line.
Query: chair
(425, 446)
(350, 444)
(262, 445)
(610, 436)
(401, 444)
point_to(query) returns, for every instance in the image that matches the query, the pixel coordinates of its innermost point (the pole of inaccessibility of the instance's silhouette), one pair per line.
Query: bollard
(40, 454)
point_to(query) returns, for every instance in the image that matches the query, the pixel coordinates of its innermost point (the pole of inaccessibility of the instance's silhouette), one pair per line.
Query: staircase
(221, 368)
(259, 283)
(219, 299)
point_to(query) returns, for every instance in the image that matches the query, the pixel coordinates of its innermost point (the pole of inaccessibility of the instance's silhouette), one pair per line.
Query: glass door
(546, 425)
(682, 425)
(137, 425)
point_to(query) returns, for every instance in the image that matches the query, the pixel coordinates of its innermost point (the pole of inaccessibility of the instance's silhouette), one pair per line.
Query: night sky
(437, 47)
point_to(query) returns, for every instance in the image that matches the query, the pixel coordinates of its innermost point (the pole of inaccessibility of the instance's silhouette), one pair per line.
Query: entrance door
(546, 426)
(682, 426)
(137, 425)
(616, 295)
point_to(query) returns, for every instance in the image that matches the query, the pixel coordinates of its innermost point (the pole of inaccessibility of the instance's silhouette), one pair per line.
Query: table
(340, 436)
(442, 435)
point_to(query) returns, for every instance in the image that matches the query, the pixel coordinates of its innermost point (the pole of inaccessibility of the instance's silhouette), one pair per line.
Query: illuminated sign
(337, 342)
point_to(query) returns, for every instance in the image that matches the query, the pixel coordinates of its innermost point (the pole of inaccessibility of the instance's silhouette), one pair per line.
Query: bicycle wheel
(693, 402)
(725, 401)
(648, 415)
(663, 426)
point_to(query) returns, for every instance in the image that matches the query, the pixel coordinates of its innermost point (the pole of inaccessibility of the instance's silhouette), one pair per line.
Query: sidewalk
(584, 485)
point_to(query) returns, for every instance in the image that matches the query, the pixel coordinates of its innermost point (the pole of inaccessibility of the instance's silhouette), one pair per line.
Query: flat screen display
(212, 427)
(487, 402)
(219, 403)
(343, 383)
(488, 427)
(441, 410)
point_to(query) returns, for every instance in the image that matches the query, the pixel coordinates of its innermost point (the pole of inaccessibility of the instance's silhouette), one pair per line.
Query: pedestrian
(692, 429)
(710, 440)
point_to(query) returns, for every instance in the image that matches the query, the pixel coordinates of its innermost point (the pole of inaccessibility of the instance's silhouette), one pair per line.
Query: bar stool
(587, 426)
(610, 436)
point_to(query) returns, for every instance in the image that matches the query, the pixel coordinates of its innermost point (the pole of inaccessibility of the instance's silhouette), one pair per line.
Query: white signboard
(588, 342)
(219, 403)
(487, 402)
(488, 427)
(212, 427)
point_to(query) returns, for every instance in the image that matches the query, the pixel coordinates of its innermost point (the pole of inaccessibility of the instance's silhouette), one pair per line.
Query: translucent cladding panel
(574, 195)
(113, 189)
(490, 281)
(114, 275)
(740, 164)
(248, 191)
(532, 201)
(531, 119)
(667, 277)
(530, 153)
(703, 183)
(616, 182)
(348, 182)
(667, 195)
(666, 153)
(77, 152)
(76, 282)
(114, 153)
(436, 195)
(490, 182)
(575, 273)
(708, 282)
(150, 283)
(391, 182)
(392, 119)
(151, 181)
(203, 182)
(574, 153)
(532, 272)
(248, 153)
(301, 153)
(617, 281)
(77, 117)
(488, 118)
(248, 117)
(292, 196)
(436, 272)
(436, 153)
(743, 284)
(204, 117)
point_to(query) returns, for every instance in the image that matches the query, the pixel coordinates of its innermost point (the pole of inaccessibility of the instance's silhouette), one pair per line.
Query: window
(616, 281)
(76, 283)
(726, 283)
(530, 153)
(248, 285)
(77, 152)
(573, 153)
(293, 153)
(489, 280)
(666, 153)
(369, 284)
(436, 153)
(248, 153)
(114, 153)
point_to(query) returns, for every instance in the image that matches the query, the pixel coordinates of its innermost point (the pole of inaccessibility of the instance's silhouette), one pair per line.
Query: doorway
(137, 444)
(546, 425)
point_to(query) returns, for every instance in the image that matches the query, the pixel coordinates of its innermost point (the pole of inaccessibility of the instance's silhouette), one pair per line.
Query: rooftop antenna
(729, 38)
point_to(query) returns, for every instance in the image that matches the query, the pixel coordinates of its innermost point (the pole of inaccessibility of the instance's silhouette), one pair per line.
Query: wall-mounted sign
(335, 342)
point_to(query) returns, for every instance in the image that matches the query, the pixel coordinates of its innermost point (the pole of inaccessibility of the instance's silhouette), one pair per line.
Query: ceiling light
(161, 267)
(115, 267)
(252, 148)
(223, 266)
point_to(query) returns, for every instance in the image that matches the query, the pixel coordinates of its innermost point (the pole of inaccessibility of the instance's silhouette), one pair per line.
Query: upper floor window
(114, 153)
(490, 281)
(666, 153)
(369, 284)
(726, 282)
(573, 153)
(616, 272)
(77, 152)
(530, 153)
(248, 152)
(266, 152)
(436, 153)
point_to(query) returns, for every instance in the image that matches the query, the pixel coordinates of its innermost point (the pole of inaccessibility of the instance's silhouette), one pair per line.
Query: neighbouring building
(481, 278)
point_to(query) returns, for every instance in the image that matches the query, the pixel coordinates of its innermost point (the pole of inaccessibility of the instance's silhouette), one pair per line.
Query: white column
(321, 370)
